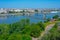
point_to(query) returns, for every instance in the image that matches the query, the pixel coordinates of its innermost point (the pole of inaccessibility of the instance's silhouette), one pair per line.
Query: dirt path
(44, 32)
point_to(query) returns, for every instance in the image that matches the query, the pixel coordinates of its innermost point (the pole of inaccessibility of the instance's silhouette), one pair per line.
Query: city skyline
(29, 3)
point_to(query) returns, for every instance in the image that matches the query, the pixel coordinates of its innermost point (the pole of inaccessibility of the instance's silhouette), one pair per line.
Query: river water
(33, 19)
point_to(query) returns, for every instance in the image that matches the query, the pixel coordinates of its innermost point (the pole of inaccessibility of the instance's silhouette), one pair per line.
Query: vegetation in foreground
(24, 30)
(53, 34)
(21, 30)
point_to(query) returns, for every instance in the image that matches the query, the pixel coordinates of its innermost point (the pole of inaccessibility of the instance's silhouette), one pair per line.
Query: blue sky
(29, 3)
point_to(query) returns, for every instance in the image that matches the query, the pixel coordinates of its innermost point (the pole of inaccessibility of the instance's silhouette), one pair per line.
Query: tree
(4, 31)
(22, 30)
(54, 34)
(47, 20)
(26, 30)
(35, 31)
(41, 25)
(27, 21)
(26, 37)
(15, 36)
(55, 17)
(36, 10)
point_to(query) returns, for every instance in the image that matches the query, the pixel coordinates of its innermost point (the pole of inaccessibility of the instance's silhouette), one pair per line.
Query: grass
(48, 23)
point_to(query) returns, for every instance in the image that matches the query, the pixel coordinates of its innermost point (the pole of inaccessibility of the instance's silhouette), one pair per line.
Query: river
(33, 19)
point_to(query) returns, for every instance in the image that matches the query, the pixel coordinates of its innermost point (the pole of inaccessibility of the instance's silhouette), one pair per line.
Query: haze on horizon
(29, 3)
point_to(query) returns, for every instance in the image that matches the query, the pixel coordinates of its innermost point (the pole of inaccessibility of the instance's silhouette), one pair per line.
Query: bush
(55, 17)
(54, 34)
(19, 37)
(21, 30)
(35, 31)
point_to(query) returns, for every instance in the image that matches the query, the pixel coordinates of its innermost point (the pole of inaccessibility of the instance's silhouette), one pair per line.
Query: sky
(29, 3)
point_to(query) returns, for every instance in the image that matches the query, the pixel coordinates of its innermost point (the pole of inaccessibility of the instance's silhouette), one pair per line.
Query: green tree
(55, 17)
(27, 30)
(36, 10)
(42, 26)
(54, 34)
(35, 31)
(19, 37)
(4, 31)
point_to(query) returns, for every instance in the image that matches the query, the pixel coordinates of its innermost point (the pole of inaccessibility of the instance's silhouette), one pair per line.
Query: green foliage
(12, 12)
(36, 10)
(21, 30)
(58, 19)
(35, 31)
(42, 26)
(47, 20)
(15, 36)
(54, 34)
(4, 31)
(26, 30)
(55, 17)
(26, 37)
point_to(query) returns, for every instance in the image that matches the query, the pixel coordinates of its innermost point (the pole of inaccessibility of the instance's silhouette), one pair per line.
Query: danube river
(33, 18)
